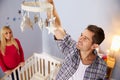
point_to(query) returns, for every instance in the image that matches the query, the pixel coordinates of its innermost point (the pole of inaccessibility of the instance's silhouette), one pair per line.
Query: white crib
(38, 67)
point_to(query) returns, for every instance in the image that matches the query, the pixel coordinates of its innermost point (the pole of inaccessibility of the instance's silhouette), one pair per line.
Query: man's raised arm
(59, 32)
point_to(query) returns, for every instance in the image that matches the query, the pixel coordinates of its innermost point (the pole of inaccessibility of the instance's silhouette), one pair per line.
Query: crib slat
(23, 75)
(43, 67)
(14, 73)
(18, 69)
(38, 65)
(29, 71)
(32, 67)
(35, 64)
(26, 72)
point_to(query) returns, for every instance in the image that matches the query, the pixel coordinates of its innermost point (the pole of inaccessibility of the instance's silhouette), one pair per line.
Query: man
(81, 61)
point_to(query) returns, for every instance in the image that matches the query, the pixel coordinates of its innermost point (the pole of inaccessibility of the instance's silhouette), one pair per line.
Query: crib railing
(37, 67)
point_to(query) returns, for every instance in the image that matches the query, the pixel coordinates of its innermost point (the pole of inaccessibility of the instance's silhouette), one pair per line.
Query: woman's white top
(79, 74)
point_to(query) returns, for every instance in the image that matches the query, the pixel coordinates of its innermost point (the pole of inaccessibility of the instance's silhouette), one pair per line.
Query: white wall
(75, 16)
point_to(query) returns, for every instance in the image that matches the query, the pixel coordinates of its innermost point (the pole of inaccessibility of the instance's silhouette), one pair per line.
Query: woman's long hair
(3, 41)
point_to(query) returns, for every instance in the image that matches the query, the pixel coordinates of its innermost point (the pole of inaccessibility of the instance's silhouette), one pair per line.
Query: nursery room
(40, 27)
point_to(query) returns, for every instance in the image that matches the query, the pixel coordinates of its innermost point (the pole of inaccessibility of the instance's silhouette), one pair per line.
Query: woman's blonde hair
(3, 42)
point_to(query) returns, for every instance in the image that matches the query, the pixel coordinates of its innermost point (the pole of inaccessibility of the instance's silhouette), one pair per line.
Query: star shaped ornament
(51, 29)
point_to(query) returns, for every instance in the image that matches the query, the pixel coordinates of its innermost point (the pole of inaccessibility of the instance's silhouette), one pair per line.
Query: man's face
(85, 41)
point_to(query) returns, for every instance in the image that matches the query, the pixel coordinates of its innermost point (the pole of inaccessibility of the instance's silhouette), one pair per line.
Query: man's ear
(94, 46)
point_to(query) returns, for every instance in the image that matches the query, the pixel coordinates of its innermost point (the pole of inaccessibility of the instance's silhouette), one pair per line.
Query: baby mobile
(38, 8)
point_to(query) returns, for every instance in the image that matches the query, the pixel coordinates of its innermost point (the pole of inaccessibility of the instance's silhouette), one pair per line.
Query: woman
(11, 52)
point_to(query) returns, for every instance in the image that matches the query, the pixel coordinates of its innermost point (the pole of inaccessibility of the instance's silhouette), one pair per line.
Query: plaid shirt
(95, 71)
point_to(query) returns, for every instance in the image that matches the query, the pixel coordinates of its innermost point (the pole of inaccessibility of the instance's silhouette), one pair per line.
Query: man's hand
(59, 33)
(50, 1)
(55, 14)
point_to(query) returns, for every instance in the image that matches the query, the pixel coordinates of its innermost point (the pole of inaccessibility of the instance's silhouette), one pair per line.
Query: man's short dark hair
(99, 35)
